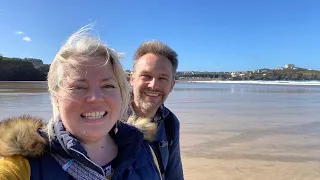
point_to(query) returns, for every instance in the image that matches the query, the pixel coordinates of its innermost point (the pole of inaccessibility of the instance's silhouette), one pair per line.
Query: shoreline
(295, 83)
(280, 82)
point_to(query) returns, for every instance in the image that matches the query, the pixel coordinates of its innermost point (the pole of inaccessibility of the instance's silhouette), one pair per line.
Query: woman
(84, 139)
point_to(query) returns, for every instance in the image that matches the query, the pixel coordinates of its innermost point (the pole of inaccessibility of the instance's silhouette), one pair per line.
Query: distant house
(289, 66)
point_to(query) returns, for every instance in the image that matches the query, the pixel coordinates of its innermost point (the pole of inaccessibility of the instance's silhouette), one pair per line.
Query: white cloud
(19, 32)
(26, 38)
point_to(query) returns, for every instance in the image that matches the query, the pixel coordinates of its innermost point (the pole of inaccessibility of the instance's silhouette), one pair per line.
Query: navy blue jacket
(169, 155)
(172, 160)
(134, 156)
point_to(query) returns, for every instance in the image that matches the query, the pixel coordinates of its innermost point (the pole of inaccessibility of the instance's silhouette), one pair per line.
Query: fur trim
(19, 136)
(148, 128)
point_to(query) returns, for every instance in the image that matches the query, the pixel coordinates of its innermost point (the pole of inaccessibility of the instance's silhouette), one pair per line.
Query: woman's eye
(78, 88)
(109, 86)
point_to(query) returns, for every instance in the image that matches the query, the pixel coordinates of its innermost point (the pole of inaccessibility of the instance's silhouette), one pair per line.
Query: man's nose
(153, 83)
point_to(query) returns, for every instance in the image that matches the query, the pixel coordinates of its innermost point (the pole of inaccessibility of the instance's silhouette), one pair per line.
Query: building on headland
(287, 66)
(279, 68)
(290, 66)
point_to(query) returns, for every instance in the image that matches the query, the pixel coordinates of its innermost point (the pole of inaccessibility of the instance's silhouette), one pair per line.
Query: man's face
(152, 81)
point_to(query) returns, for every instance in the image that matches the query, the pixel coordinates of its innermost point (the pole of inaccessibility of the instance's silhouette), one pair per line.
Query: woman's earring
(116, 129)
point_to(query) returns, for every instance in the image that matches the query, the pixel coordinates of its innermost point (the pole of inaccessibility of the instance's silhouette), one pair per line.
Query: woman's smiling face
(89, 101)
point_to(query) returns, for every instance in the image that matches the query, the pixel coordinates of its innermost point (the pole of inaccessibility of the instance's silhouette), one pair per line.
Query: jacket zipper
(104, 174)
(121, 167)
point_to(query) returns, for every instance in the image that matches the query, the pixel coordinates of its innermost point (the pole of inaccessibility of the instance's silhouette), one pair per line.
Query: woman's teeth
(94, 115)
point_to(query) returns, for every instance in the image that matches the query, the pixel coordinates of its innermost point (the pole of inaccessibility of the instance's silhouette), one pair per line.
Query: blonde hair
(80, 47)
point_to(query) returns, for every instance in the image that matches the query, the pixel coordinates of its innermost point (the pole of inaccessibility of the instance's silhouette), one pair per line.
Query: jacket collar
(25, 135)
(162, 113)
(128, 139)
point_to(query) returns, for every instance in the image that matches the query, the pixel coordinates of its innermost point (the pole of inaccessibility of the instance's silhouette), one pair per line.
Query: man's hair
(157, 48)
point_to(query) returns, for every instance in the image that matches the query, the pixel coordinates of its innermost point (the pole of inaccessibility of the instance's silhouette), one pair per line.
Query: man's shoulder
(171, 124)
(168, 114)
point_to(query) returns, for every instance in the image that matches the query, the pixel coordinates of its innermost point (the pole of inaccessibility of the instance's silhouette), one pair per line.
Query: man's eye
(163, 78)
(145, 76)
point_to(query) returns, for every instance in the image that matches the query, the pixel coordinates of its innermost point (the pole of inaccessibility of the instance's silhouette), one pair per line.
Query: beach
(249, 132)
(204, 169)
(228, 131)
(256, 155)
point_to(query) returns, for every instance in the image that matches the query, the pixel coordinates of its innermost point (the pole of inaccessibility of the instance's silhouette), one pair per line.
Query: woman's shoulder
(14, 167)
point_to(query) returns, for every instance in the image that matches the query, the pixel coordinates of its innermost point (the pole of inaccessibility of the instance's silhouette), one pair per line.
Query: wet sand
(283, 153)
(244, 169)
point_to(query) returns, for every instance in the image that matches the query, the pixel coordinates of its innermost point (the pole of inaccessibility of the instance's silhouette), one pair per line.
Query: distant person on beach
(152, 79)
(84, 139)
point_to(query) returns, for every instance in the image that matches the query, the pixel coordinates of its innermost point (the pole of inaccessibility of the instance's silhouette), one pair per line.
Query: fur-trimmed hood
(21, 135)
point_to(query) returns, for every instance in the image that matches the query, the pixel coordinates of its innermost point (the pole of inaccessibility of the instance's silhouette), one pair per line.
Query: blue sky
(229, 35)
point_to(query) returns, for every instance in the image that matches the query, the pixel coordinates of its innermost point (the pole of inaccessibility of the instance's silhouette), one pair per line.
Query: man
(152, 80)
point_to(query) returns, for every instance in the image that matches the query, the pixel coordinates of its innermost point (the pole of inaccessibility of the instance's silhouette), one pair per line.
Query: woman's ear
(55, 103)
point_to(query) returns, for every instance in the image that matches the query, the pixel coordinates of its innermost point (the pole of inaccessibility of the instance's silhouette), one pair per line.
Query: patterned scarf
(76, 169)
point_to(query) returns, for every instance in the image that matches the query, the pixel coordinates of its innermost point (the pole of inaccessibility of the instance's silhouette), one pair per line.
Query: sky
(211, 35)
